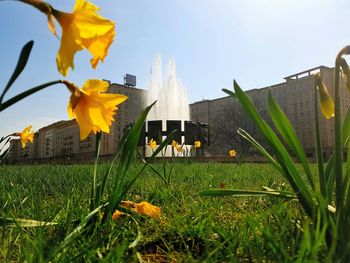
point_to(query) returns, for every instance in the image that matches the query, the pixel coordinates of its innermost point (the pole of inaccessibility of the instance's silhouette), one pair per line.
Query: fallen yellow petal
(147, 209)
(116, 215)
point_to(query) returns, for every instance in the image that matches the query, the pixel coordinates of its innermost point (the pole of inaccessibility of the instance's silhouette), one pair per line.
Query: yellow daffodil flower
(82, 29)
(232, 153)
(197, 144)
(174, 144)
(143, 208)
(179, 148)
(152, 143)
(93, 109)
(27, 135)
(327, 104)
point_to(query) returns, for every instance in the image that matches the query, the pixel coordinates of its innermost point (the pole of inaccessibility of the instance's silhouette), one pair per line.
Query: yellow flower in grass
(197, 144)
(232, 153)
(179, 148)
(327, 104)
(143, 208)
(153, 144)
(81, 29)
(174, 144)
(117, 214)
(27, 135)
(93, 109)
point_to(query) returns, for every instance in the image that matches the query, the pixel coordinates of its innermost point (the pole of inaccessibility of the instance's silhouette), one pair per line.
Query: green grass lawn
(191, 229)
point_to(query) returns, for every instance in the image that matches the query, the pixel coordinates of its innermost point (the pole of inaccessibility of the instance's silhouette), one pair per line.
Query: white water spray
(172, 103)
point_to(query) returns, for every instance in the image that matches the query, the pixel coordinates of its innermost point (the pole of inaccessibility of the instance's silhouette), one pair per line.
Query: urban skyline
(295, 95)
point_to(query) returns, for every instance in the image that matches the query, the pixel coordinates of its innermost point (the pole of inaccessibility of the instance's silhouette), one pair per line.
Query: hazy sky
(256, 42)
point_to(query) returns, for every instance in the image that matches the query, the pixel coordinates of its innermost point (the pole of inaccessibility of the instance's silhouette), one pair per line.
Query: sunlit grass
(192, 228)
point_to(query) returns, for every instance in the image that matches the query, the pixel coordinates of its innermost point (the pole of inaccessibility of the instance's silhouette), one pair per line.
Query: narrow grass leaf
(287, 131)
(229, 92)
(18, 222)
(329, 169)
(167, 140)
(95, 193)
(258, 146)
(319, 151)
(126, 153)
(246, 193)
(78, 230)
(290, 171)
(139, 235)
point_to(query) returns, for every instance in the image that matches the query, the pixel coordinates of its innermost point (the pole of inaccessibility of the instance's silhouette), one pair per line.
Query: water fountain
(172, 103)
(171, 110)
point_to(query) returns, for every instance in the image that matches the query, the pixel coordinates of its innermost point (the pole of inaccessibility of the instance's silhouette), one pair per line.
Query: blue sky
(256, 42)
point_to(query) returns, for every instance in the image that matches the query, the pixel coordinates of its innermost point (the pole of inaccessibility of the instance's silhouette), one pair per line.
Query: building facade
(296, 98)
(224, 116)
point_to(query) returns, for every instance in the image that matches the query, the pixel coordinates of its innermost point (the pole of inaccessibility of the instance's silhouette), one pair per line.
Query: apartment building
(296, 98)
(295, 95)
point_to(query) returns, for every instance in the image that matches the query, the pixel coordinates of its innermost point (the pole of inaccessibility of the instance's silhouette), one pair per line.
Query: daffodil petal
(83, 120)
(70, 110)
(327, 107)
(96, 32)
(68, 48)
(98, 46)
(95, 85)
(98, 119)
(111, 100)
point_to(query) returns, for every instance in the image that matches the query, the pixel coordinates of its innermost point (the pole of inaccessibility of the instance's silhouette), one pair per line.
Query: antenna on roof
(130, 80)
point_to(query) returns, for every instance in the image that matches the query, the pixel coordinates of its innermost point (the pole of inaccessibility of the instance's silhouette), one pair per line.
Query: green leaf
(290, 172)
(261, 149)
(160, 147)
(21, 63)
(246, 193)
(79, 230)
(95, 195)
(329, 170)
(18, 222)
(229, 92)
(287, 131)
(319, 151)
(126, 153)
(345, 130)
(138, 237)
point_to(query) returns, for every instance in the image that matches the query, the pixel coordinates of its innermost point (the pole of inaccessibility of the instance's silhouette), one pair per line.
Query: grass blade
(78, 230)
(229, 92)
(246, 193)
(287, 131)
(18, 222)
(126, 153)
(259, 147)
(319, 151)
(95, 194)
(286, 162)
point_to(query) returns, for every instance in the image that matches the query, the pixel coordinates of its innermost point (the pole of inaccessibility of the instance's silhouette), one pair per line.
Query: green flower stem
(319, 146)
(93, 187)
(337, 139)
(27, 93)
